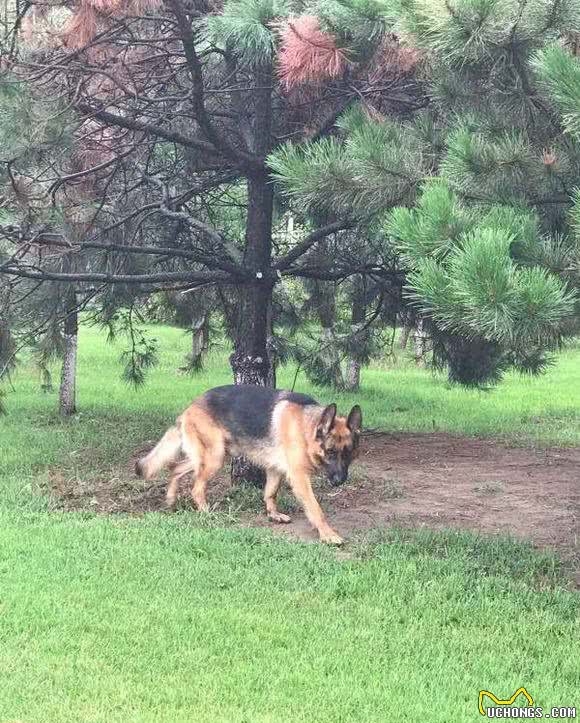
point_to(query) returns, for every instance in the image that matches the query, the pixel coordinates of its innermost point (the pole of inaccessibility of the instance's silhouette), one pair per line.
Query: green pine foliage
(369, 168)
(358, 25)
(559, 75)
(245, 29)
(469, 274)
(31, 129)
(490, 244)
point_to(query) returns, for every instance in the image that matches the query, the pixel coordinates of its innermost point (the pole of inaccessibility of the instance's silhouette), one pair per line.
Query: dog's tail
(167, 450)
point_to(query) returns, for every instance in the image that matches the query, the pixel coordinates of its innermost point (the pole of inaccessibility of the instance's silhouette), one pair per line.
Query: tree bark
(330, 357)
(353, 365)
(250, 362)
(420, 341)
(404, 338)
(271, 349)
(199, 336)
(67, 392)
(326, 312)
(352, 376)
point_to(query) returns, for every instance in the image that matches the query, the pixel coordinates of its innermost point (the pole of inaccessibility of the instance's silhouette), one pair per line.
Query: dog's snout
(338, 477)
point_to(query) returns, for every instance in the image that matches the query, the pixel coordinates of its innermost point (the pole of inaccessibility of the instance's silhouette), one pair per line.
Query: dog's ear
(326, 421)
(354, 422)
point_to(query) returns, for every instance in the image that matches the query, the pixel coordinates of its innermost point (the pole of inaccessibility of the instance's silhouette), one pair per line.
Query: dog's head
(337, 440)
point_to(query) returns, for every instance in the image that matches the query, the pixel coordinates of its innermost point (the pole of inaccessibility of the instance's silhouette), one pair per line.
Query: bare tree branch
(192, 277)
(238, 156)
(284, 262)
(136, 125)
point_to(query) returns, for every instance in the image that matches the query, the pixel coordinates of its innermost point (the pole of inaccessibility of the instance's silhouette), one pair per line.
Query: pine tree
(175, 109)
(558, 71)
(43, 319)
(486, 170)
(188, 132)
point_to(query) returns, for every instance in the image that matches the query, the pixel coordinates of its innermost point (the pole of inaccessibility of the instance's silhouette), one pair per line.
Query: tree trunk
(420, 341)
(330, 357)
(353, 365)
(405, 334)
(271, 349)
(250, 362)
(199, 336)
(67, 393)
(352, 376)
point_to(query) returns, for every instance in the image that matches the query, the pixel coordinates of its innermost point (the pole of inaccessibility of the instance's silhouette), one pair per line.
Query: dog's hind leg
(212, 463)
(204, 444)
(179, 470)
(273, 480)
(172, 489)
(209, 456)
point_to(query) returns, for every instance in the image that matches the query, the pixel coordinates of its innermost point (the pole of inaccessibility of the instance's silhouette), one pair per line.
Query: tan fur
(199, 445)
(166, 450)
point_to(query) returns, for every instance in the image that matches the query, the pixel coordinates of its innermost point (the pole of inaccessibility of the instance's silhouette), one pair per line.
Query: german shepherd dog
(285, 433)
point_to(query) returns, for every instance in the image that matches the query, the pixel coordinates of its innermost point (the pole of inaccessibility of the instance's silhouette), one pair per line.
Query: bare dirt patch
(411, 480)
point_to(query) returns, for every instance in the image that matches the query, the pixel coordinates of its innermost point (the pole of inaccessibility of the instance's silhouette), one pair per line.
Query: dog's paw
(330, 537)
(279, 517)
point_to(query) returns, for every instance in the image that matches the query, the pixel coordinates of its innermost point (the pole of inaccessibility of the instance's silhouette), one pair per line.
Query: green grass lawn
(187, 617)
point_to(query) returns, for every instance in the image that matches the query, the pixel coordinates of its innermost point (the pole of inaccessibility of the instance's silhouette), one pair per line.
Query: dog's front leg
(273, 480)
(302, 489)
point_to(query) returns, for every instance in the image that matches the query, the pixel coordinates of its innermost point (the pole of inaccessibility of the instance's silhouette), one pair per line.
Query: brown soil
(411, 480)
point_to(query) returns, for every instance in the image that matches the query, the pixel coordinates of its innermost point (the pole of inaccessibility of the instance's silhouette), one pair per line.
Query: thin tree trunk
(199, 336)
(326, 312)
(67, 393)
(420, 341)
(330, 358)
(353, 365)
(405, 334)
(352, 376)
